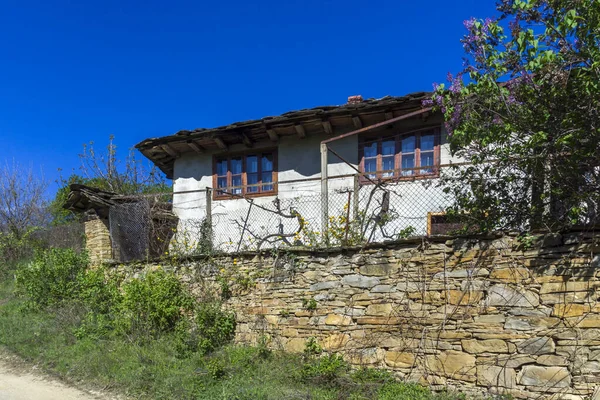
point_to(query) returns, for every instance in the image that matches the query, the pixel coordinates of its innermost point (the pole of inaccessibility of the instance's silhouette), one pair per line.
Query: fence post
(324, 194)
(356, 197)
(209, 214)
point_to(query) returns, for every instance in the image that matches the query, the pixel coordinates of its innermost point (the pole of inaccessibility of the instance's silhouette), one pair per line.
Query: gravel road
(22, 384)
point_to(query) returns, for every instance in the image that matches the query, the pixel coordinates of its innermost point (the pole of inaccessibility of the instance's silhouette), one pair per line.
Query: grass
(154, 369)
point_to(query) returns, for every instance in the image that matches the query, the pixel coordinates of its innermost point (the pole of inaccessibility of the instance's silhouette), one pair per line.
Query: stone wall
(98, 243)
(500, 315)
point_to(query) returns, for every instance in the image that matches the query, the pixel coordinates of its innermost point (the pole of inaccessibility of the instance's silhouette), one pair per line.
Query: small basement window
(439, 224)
(252, 174)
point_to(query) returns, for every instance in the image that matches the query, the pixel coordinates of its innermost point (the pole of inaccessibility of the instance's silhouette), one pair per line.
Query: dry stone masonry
(498, 315)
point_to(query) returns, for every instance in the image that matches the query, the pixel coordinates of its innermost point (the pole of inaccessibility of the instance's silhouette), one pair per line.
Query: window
(414, 154)
(249, 174)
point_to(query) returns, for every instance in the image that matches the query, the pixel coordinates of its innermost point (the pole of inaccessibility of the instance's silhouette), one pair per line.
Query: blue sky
(78, 71)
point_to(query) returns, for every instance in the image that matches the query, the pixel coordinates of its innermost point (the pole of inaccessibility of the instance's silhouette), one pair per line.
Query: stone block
(507, 360)
(474, 346)
(336, 341)
(360, 281)
(508, 296)
(382, 310)
(546, 377)
(336, 319)
(510, 275)
(494, 376)
(325, 285)
(537, 346)
(552, 360)
(397, 359)
(571, 286)
(574, 310)
(295, 345)
(384, 289)
(378, 269)
(458, 297)
(452, 364)
(462, 273)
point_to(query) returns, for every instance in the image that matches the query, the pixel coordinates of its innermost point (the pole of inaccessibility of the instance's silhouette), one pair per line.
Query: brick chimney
(355, 99)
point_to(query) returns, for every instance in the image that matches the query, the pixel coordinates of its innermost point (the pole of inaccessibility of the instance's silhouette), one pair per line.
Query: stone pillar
(98, 243)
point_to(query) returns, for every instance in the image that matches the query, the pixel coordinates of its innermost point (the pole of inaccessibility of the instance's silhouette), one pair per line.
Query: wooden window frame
(260, 193)
(396, 176)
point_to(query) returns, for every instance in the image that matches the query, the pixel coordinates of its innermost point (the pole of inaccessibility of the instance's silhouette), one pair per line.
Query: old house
(373, 160)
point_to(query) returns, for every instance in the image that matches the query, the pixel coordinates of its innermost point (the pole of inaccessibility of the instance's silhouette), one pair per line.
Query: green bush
(154, 303)
(52, 276)
(324, 369)
(404, 391)
(211, 329)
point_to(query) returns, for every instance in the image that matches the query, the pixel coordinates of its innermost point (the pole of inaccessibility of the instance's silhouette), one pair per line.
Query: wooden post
(324, 194)
(208, 216)
(356, 196)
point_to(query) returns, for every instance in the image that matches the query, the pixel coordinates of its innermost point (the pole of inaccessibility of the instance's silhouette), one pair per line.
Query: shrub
(212, 328)
(325, 369)
(372, 375)
(404, 391)
(154, 303)
(52, 277)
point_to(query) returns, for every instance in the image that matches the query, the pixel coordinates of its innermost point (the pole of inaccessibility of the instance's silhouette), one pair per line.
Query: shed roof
(323, 120)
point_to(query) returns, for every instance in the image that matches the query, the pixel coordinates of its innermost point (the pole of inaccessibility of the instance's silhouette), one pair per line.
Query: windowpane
(236, 165)
(427, 142)
(267, 162)
(221, 182)
(236, 180)
(267, 177)
(388, 166)
(370, 150)
(388, 147)
(408, 144)
(371, 166)
(221, 167)
(251, 164)
(408, 161)
(427, 161)
(252, 180)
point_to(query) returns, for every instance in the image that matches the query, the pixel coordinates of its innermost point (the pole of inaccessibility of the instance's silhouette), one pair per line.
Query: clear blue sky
(74, 72)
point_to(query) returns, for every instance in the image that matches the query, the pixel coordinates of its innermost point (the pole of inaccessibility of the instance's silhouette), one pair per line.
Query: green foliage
(312, 347)
(404, 391)
(524, 112)
(213, 327)
(215, 368)
(309, 304)
(406, 232)
(154, 303)
(52, 277)
(372, 375)
(324, 369)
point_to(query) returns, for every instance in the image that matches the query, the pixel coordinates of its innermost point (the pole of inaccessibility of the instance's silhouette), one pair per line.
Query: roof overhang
(326, 121)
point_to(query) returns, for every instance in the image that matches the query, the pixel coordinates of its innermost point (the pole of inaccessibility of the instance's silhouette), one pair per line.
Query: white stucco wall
(299, 159)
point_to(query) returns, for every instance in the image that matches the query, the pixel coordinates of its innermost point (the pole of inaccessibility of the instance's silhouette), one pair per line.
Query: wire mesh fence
(355, 210)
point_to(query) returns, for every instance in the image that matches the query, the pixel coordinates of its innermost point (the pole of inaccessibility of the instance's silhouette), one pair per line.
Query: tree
(22, 204)
(107, 172)
(524, 113)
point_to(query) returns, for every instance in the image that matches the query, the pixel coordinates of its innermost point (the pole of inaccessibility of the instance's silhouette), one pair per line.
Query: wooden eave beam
(327, 127)
(389, 115)
(170, 151)
(272, 134)
(357, 122)
(220, 143)
(300, 131)
(196, 147)
(246, 140)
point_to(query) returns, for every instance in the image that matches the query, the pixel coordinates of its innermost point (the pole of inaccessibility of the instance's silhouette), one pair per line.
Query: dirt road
(18, 383)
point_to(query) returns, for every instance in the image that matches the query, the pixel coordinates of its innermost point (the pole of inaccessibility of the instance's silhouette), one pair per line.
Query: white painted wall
(297, 159)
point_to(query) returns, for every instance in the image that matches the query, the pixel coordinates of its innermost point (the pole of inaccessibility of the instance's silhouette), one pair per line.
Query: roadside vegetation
(148, 338)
